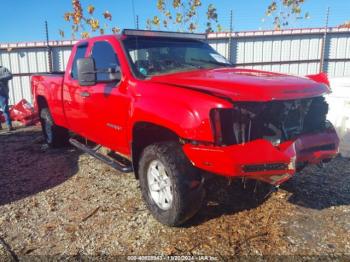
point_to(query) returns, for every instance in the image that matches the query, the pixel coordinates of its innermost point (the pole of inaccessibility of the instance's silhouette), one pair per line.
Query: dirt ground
(63, 202)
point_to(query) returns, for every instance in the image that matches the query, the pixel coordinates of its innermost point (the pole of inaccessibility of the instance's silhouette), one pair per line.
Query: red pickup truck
(167, 107)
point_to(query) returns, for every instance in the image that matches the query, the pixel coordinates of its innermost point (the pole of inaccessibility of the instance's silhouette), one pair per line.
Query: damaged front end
(275, 121)
(268, 141)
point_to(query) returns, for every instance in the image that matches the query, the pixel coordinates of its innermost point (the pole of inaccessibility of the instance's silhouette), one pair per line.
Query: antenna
(136, 25)
(230, 39)
(49, 51)
(134, 15)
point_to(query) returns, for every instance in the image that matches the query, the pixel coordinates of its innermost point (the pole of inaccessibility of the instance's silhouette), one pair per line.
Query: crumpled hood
(245, 85)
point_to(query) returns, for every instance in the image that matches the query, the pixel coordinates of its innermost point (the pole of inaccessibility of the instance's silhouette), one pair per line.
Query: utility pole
(324, 41)
(49, 50)
(230, 37)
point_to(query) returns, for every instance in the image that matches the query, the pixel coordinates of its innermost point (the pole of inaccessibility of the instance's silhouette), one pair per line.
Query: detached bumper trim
(328, 147)
(261, 160)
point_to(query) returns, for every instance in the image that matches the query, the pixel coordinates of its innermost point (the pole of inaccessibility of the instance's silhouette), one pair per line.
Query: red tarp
(23, 112)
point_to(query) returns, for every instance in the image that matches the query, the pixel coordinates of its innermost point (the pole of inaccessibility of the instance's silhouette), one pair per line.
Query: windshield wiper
(193, 65)
(211, 62)
(184, 63)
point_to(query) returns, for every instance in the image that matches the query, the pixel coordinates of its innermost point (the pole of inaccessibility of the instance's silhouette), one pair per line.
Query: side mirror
(86, 71)
(114, 74)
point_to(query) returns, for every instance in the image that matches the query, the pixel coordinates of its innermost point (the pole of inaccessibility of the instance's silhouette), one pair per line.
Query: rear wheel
(170, 185)
(55, 136)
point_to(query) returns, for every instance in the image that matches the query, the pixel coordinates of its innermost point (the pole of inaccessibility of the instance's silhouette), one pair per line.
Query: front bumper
(261, 160)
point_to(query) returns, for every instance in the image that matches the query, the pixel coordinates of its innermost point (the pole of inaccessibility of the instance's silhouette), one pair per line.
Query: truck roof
(149, 33)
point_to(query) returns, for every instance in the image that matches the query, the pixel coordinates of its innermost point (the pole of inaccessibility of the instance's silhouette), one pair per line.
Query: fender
(184, 111)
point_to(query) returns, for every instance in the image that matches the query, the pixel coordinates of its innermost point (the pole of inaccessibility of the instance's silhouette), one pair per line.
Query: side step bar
(116, 165)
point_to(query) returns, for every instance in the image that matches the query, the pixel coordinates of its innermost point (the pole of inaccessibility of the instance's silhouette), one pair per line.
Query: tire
(184, 192)
(55, 136)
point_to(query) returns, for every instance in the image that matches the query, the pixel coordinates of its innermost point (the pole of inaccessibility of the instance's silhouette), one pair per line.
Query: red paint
(247, 85)
(320, 78)
(182, 103)
(229, 161)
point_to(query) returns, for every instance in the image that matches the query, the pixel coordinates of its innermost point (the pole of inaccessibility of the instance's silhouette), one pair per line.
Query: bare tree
(86, 23)
(284, 11)
(345, 25)
(182, 15)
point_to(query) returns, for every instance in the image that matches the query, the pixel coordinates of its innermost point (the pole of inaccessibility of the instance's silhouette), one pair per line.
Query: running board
(93, 152)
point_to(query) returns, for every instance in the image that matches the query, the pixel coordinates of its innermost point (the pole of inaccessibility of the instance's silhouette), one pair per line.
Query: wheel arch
(41, 102)
(145, 134)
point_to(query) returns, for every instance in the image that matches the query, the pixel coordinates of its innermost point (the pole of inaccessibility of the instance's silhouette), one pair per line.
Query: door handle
(85, 94)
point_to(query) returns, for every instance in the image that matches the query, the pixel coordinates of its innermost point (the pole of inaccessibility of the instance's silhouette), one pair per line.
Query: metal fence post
(230, 38)
(324, 43)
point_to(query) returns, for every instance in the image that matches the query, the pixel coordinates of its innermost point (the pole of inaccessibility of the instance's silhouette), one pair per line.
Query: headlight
(216, 126)
(230, 126)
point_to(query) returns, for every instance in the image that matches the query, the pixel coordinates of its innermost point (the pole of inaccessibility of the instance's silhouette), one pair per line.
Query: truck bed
(50, 86)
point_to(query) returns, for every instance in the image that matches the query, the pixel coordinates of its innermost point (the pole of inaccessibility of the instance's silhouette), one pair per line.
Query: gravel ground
(63, 202)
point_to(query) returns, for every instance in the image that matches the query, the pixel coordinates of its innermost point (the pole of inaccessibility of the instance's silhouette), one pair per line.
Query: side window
(105, 58)
(80, 53)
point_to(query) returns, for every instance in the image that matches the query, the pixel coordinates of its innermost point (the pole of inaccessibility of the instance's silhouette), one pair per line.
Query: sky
(23, 20)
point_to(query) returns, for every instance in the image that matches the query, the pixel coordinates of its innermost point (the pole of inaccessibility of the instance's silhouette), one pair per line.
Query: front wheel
(55, 136)
(170, 185)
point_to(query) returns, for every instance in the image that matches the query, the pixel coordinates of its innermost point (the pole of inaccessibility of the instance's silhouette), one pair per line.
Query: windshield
(151, 56)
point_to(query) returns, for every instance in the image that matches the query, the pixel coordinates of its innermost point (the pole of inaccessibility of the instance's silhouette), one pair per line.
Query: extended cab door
(73, 93)
(107, 104)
